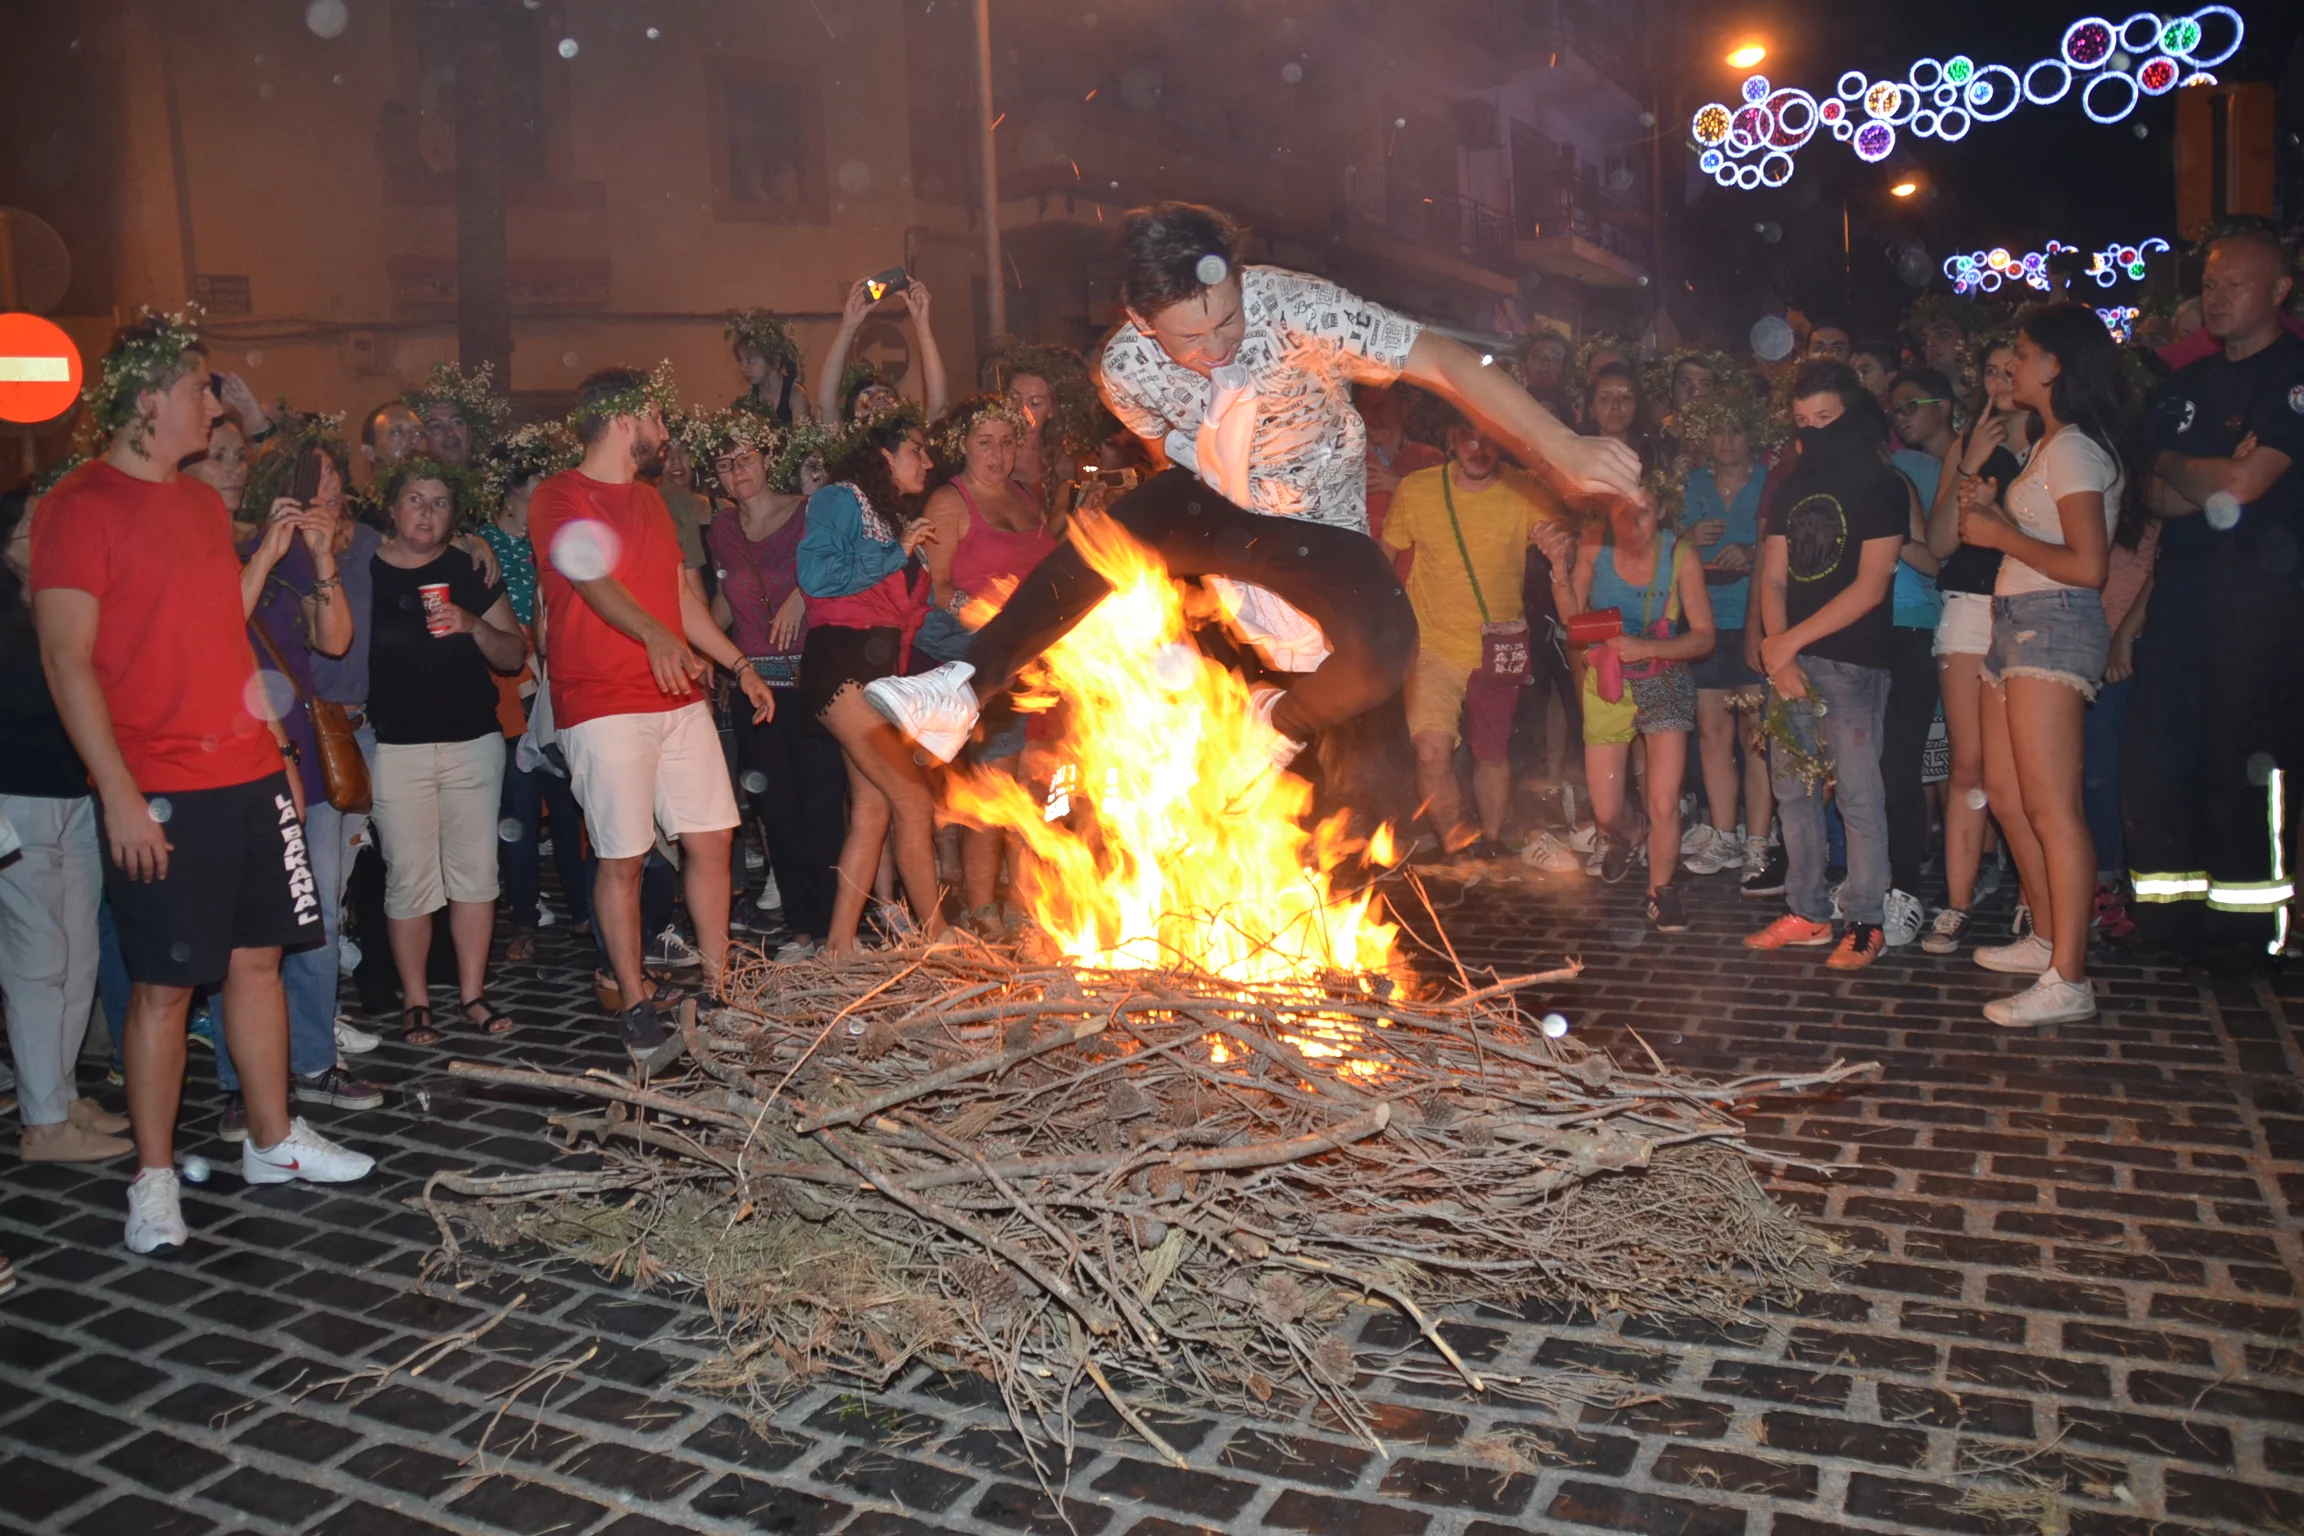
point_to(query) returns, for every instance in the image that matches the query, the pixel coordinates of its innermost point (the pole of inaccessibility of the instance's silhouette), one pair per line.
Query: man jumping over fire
(1241, 377)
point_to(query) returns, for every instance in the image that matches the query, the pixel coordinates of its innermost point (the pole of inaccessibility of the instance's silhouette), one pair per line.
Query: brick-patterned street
(2070, 1307)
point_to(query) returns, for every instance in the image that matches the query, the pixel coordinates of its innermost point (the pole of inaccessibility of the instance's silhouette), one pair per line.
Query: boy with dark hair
(142, 607)
(1825, 573)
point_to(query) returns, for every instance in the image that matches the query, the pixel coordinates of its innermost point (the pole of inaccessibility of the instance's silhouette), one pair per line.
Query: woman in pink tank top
(990, 531)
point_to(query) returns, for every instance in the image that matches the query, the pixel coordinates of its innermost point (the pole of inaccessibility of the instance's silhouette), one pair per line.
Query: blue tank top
(1610, 590)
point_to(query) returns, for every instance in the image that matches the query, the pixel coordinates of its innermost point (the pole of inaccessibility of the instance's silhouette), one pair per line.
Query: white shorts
(1965, 626)
(635, 773)
(436, 812)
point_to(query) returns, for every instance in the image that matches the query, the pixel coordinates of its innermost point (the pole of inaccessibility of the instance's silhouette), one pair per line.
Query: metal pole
(995, 292)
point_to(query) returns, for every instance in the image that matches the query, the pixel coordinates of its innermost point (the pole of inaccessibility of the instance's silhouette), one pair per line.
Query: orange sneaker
(1791, 931)
(1859, 947)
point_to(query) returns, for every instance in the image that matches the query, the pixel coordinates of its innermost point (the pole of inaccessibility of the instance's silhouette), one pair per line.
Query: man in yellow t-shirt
(1467, 526)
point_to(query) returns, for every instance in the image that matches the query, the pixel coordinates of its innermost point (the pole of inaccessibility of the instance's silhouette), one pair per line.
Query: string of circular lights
(2113, 65)
(1986, 271)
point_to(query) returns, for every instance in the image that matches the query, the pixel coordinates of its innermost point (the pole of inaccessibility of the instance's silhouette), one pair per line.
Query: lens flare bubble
(2260, 766)
(268, 696)
(1555, 1025)
(509, 829)
(1976, 800)
(160, 808)
(192, 1165)
(327, 18)
(179, 951)
(586, 550)
(755, 782)
(2222, 509)
(1211, 269)
(567, 47)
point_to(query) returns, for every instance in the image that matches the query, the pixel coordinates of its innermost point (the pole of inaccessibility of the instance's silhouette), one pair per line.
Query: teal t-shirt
(1917, 602)
(1701, 502)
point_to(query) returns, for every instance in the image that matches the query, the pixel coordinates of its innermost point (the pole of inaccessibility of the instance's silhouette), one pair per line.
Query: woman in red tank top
(990, 531)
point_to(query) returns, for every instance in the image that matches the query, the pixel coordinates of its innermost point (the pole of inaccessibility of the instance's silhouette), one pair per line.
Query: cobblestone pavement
(2075, 1254)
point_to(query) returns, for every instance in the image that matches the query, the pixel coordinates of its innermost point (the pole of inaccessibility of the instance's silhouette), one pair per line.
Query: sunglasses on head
(1907, 407)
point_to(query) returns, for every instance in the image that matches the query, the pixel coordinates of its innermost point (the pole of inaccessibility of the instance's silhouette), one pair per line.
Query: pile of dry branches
(1157, 1183)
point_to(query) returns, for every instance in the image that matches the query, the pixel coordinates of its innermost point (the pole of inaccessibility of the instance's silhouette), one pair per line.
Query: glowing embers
(1944, 99)
(1988, 271)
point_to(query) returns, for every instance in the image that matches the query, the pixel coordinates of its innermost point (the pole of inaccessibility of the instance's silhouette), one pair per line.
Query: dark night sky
(2042, 172)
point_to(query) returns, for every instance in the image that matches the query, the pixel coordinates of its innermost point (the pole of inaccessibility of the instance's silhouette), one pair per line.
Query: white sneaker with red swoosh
(303, 1154)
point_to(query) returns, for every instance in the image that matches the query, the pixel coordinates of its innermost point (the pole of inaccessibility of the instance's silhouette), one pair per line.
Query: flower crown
(148, 360)
(538, 449)
(1656, 380)
(473, 396)
(1082, 423)
(653, 390)
(391, 482)
(1732, 404)
(759, 330)
(783, 450)
(861, 376)
(963, 419)
(272, 472)
(1579, 379)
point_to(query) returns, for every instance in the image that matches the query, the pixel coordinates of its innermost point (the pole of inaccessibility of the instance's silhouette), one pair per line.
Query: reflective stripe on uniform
(2191, 886)
(2250, 895)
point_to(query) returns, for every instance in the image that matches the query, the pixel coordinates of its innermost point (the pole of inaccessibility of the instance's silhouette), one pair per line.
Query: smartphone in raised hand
(882, 284)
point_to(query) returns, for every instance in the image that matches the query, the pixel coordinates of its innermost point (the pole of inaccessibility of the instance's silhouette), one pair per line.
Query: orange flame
(1162, 873)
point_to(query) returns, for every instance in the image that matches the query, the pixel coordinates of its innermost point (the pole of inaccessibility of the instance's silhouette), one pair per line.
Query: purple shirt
(280, 615)
(758, 578)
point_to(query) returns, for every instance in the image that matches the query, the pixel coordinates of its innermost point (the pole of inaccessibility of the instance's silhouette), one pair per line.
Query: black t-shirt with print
(422, 688)
(1841, 496)
(2204, 412)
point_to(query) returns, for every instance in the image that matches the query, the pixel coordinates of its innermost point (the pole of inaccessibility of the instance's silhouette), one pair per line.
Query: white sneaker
(1901, 916)
(303, 1154)
(1283, 634)
(1698, 836)
(155, 1214)
(937, 709)
(1266, 753)
(1551, 854)
(1838, 915)
(796, 949)
(2028, 956)
(2050, 1000)
(544, 915)
(352, 1040)
(1586, 838)
(753, 857)
(1723, 850)
(770, 898)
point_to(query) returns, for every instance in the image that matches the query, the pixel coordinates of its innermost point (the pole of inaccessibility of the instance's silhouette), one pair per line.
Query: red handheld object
(1596, 627)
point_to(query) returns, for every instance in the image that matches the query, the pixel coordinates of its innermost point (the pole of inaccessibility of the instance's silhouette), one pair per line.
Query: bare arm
(916, 299)
(498, 635)
(709, 638)
(2245, 479)
(852, 315)
(327, 617)
(1917, 552)
(1875, 570)
(948, 515)
(2120, 660)
(66, 622)
(1775, 572)
(674, 666)
(1697, 639)
(1574, 464)
(279, 533)
(2082, 560)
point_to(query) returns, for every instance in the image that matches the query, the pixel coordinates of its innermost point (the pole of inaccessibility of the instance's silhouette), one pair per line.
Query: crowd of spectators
(1908, 605)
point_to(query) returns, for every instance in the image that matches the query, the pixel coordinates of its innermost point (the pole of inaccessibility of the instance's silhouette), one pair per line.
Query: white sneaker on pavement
(1719, 851)
(1551, 854)
(155, 1214)
(351, 1040)
(302, 1154)
(1901, 917)
(1586, 838)
(937, 709)
(2050, 1000)
(2028, 956)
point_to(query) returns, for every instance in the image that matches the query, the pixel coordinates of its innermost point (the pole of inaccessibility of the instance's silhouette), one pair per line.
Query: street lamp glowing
(1904, 189)
(1747, 56)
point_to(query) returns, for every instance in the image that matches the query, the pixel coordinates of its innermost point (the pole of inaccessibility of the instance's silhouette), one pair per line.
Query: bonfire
(1159, 1150)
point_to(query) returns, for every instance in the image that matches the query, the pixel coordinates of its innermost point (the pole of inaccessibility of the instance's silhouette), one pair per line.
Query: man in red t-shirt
(621, 634)
(142, 610)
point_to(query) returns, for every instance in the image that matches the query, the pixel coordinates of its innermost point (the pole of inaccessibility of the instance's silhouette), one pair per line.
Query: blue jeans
(526, 794)
(2103, 727)
(309, 976)
(1855, 703)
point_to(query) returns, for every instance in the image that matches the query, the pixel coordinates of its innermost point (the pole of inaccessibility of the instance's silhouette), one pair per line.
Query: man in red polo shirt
(142, 614)
(622, 632)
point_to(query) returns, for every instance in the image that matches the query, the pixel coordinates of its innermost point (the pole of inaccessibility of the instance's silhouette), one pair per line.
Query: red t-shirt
(172, 650)
(581, 526)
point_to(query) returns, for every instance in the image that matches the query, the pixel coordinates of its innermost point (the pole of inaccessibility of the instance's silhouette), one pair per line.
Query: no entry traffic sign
(39, 369)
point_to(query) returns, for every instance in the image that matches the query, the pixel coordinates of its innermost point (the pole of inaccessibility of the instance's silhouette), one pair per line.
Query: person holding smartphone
(845, 394)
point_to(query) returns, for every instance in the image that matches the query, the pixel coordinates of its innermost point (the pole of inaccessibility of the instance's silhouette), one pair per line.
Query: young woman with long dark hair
(853, 567)
(2054, 527)
(1993, 449)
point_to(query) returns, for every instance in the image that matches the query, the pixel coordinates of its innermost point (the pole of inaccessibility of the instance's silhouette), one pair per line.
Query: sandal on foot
(496, 1022)
(416, 1026)
(521, 947)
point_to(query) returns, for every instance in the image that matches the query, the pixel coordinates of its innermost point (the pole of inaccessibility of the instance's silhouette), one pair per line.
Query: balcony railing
(1448, 222)
(1608, 34)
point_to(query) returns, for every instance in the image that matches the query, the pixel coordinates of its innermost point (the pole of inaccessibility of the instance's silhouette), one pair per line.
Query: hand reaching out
(917, 299)
(919, 532)
(860, 302)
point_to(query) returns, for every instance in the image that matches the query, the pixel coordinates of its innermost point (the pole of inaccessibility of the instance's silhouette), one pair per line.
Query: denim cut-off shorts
(2059, 636)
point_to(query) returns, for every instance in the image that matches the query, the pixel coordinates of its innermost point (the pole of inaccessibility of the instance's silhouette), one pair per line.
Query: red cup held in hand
(435, 596)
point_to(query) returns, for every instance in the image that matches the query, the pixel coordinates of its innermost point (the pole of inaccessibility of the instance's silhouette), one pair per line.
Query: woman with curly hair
(854, 567)
(774, 367)
(990, 533)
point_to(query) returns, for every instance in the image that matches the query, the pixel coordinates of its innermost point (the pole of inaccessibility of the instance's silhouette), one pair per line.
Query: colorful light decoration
(2120, 321)
(1989, 271)
(1752, 145)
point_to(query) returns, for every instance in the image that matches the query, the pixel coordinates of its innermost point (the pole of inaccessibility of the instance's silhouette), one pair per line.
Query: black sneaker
(336, 1088)
(1615, 858)
(1665, 910)
(1770, 880)
(670, 951)
(640, 1029)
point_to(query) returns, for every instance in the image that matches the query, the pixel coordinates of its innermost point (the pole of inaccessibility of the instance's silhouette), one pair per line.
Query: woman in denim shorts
(2050, 641)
